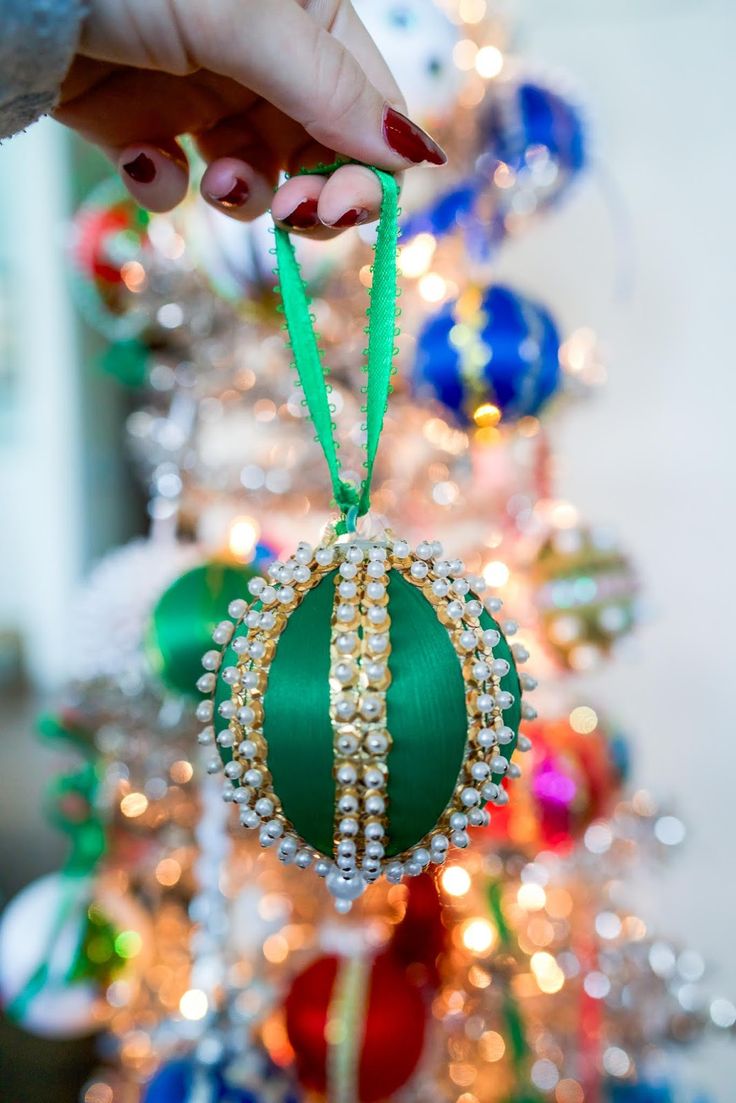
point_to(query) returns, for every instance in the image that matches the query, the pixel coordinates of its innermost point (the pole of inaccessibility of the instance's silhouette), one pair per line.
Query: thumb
(317, 75)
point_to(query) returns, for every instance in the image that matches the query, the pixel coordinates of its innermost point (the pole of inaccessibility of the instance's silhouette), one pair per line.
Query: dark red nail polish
(354, 216)
(304, 216)
(235, 197)
(409, 140)
(141, 169)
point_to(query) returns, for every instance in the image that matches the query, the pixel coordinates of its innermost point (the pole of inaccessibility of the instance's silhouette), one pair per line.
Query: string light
(489, 62)
(455, 881)
(478, 935)
(243, 536)
(194, 1004)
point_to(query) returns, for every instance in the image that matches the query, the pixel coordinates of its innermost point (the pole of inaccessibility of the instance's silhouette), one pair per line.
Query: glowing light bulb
(455, 881)
(478, 936)
(242, 538)
(489, 62)
(194, 1004)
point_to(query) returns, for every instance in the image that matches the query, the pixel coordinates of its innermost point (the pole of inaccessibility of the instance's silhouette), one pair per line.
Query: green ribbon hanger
(353, 502)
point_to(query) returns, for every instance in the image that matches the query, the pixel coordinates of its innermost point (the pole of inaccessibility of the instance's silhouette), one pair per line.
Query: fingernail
(141, 169)
(235, 196)
(354, 216)
(409, 140)
(304, 215)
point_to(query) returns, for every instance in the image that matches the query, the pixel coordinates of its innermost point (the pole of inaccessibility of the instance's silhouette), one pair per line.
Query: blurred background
(642, 253)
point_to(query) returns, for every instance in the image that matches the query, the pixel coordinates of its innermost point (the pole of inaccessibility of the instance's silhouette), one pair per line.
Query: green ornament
(185, 617)
(366, 709)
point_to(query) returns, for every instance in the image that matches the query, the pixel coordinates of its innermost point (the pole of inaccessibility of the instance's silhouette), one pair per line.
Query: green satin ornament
(184, 618)
(426, 716)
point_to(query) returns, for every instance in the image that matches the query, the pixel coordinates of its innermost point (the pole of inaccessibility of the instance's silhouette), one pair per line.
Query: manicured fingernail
(354, 216)
(409, 140)
(234, 197)
(304, 215)
(141, 169)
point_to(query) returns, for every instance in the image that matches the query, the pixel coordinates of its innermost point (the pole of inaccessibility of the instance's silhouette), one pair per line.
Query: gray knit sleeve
(37, 43)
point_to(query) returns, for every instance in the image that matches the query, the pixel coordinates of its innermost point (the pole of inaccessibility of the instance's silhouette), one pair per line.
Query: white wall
(655, 454)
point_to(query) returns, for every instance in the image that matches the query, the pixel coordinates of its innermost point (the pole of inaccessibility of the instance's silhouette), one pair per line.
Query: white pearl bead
(504, 699)
(485, 702)
(373, 778)
(254, 778)
(375, 806)
(528, 682)
(375, 850)
(479, 771)
(267, 620)
(225, 738)
(460, 839)
(371, 708)
(514, 770)
(442, 568)
(256, 649)
(505, 735)
(324, 556)
(275, 829)
(375, 671)
(374, 830)
(237, 608)
(211, 660)
(242, 795)
(489, 791)
(285, 573)
(206, 736)
(494, 604)
(377, 615)
(377, 553)
(264, 838)
(458, 821)
(286, 595)
(440, 843)
(302, 574)
(375, 591)
(347, 589)
(223, 633)
(264, 807)
(523, 744)
(520, 653)
(412, 868)
(344, 672)
(456, 567)
(473, 608)
(345, 708)
(467, 639)
(233, 770)
(250, 679)
(348, 571)
(500, 667)
(475, 817)
(345, 613)
(376, 743)
(347, 744)
(206, 683)
(268, 595)
(240, 645)
(354, 554)
(469, 797)
(230, 675)
(491, 637)
(424, 550)
(343, 888)
(455, 609)
(375, 569)
(246, 715)
(346, 643)
(204, 711)
(460, 586)
(502, 797)
(510, 627)
(249, 818)
(303, 552)
(348, 826)
(528, 711)
(346, 774)
(394, 872)
(322, 867)
(440, 587)
(377, 643)
(499, 765)
(401, 549)
(304, 859)
(343, 906)
(421, 855)
(214, 766)
(436, 549)
(256, 586)
(480, 671)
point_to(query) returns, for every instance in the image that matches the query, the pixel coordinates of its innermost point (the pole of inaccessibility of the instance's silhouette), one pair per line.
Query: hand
(262, 85)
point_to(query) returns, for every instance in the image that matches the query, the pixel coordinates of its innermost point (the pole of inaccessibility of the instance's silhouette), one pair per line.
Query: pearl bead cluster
(359, 677)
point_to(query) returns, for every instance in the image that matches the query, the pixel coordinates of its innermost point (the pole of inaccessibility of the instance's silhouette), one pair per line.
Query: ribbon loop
(381, 330)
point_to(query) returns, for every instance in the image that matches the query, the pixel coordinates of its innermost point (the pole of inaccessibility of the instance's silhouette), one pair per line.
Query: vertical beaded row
(359, 677)
(445, 586)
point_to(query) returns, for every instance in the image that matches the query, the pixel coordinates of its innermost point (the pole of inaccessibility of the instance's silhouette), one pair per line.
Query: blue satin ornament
(185, 1080)
(640, 1091)
(504, 353)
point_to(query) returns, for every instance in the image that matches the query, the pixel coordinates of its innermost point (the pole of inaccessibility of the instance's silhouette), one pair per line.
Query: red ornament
(570, 779)
(421, 937)
(364, 1020)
